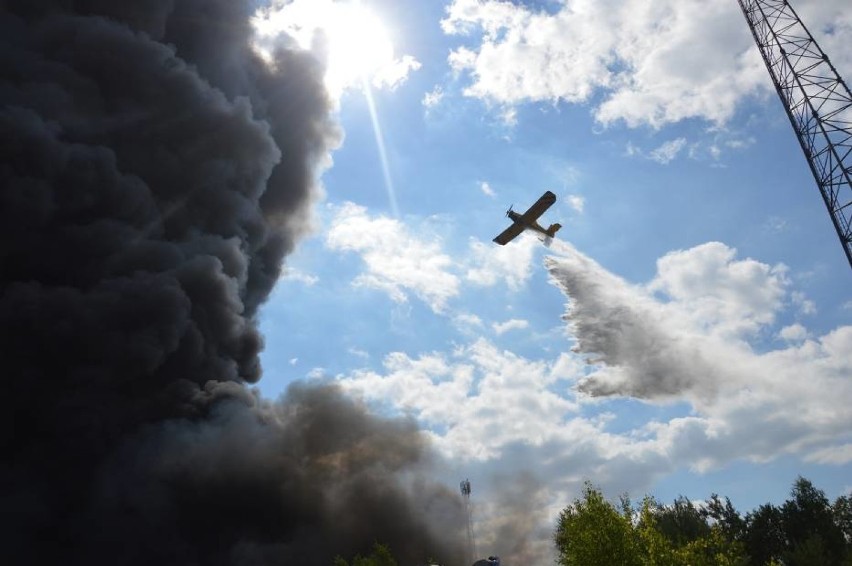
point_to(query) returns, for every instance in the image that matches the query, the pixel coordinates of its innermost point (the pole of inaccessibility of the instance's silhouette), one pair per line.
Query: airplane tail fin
(553, 229)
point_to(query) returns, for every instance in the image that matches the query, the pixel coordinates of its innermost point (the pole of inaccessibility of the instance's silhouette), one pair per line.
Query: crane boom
(817, 100)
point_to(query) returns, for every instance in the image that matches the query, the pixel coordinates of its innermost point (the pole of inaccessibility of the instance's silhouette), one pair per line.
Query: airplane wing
(536, 210)
(509, 233)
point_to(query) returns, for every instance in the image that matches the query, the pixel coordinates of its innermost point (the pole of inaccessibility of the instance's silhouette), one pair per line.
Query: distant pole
(471, 541)
(817, 100)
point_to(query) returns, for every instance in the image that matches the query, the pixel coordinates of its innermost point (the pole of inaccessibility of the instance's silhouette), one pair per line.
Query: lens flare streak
(380, 144)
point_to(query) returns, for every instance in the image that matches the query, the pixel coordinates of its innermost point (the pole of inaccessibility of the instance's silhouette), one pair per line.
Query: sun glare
(353, 43)
(352, 40)
(358, 45)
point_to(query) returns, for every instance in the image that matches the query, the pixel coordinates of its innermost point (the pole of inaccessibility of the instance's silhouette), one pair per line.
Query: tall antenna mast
(471, 542)
(816, 99)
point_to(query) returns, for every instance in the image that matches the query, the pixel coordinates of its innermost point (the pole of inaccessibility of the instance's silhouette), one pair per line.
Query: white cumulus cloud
(793, 333)
(486, 188)
(433, 97)
(719, 292)
(395, 73)
(832, 455)
(397, 261)
(667, 151)
(292, 274)
(482, 396)
(651, 62)
(402, 262)
(468, 320)
(512, 324)
(577, 202)
(510, 264)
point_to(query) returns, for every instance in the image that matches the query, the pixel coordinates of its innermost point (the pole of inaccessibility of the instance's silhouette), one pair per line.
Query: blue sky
(708, 345)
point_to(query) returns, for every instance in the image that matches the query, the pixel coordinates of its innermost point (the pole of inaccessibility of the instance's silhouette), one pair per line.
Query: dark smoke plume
(154, 174)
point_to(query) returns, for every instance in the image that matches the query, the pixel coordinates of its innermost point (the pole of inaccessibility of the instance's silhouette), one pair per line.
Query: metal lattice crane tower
(464, 486)
(816, 99)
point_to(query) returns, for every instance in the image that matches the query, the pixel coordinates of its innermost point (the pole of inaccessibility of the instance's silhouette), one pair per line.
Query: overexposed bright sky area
(709, 343)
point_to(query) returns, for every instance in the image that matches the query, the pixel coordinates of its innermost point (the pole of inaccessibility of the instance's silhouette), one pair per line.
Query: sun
(352, 41)
(358, 45)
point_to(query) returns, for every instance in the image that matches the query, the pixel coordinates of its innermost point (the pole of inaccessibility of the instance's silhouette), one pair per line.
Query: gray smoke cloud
(642, 350)
(512, 527)
(155, 173)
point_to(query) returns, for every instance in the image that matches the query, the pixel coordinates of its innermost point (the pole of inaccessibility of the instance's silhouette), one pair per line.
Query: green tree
(811, 532)
(725, 517)
(679, 535)
(808, 552)
(592, 531)
(713, 549)
(380, 556)
(654, 547)
(681, 522)
(842, 509)
(764, 535)
(805, 531)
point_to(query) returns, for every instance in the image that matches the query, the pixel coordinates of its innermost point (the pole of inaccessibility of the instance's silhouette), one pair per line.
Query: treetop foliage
(807, 530)
(380, 556)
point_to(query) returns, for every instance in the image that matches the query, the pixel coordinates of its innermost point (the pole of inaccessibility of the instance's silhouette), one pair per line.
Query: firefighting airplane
(528, 219)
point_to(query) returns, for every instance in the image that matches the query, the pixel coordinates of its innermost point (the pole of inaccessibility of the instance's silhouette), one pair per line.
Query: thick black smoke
(154, 174)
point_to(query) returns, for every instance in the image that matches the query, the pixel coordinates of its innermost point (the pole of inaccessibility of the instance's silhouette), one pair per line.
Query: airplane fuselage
(517, 217)
(528, 220)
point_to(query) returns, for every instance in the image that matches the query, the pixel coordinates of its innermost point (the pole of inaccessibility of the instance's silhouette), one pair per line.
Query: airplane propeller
(509, 212)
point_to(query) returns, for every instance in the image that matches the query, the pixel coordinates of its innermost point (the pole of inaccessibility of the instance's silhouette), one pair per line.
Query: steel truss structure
(817, 101)
(471, 541)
